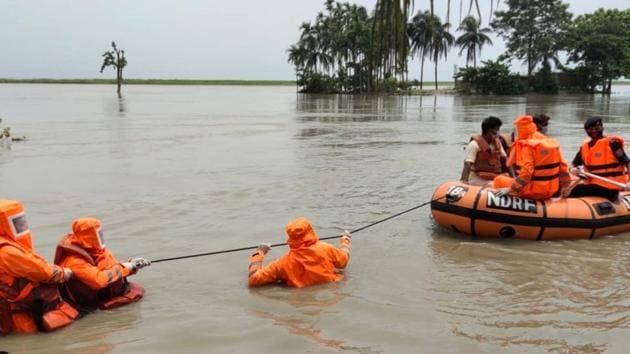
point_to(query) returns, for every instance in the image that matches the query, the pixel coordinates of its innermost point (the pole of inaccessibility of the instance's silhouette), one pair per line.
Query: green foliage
(545, 81)
(600, 44)
(492, 77)
(473, 39)
(533, 29)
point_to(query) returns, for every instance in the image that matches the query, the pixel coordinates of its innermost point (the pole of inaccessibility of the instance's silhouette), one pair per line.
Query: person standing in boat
(603, 156)
(537, 159)
(100, 281)
(485, 156)
(29, 297)
(308, 262)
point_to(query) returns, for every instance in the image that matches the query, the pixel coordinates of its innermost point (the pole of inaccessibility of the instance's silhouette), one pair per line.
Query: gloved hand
(128, 265)
(346, 235)
(264, 248)
(67, 274)
(578, 171)
(139, 263)
(502, 192)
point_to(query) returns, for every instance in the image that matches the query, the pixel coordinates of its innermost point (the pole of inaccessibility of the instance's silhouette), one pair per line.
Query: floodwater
(180, 170)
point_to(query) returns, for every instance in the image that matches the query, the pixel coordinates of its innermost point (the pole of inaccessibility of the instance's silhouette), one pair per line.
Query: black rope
(284, 243)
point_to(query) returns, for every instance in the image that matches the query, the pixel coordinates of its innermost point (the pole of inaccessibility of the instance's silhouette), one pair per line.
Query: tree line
(348, 50)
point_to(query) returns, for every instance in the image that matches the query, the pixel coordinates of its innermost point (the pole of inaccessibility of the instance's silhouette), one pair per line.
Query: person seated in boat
(485, 156)
(604, 156)
(308, 262)
(100, 280)
(29, 296)
(542, 122)
(541, 170)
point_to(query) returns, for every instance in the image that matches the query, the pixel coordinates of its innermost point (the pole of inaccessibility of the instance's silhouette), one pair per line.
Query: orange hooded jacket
(22, 271)
(308, 262)
(106, 270)
(99, 279)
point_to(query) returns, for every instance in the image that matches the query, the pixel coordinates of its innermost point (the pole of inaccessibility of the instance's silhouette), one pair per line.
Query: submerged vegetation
(347, 50)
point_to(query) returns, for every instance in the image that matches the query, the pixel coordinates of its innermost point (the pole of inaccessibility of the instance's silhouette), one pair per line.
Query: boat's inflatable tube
(477, 211)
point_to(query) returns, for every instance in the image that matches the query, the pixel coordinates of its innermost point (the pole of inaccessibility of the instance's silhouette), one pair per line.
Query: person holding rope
(308, 262)
(100, 281)
(603, 156)
(29, 297)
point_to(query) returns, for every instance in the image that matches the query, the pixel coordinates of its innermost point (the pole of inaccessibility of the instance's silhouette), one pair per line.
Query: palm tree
(441, 42)
(473, 39)
(115, 58)
(420, 35)
(390, 46)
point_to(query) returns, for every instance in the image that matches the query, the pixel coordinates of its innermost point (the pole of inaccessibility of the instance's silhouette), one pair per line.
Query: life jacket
(601, 160)
(117, 294)
(42, 302)
(545, 180)
(487, 164)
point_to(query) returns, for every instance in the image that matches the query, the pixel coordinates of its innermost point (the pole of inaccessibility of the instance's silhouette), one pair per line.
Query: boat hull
(478, 212)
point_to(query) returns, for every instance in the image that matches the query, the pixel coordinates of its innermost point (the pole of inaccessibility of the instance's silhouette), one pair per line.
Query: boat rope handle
(284, 243)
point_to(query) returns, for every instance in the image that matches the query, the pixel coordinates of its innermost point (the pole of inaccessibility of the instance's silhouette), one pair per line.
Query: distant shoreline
(151, 82)
(184, 82)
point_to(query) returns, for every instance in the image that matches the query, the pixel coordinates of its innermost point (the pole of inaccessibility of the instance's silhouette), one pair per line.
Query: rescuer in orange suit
(541, 170)
(308, 262)
(100, 281)
(29, 297)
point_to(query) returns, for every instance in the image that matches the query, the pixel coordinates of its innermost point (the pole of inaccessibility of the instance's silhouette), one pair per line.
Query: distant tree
(600, 44)
(420, 31)
(473, 39)
(533, 29)
(441, 43)
(115, 58)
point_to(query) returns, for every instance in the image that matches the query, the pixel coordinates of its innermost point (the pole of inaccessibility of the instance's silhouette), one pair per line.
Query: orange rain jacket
(308, 262)
(538, 162)
(24, 279)
(99, 279)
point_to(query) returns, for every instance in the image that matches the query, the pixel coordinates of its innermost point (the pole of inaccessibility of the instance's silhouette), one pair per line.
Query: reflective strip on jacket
(601, 160)
(540, 168)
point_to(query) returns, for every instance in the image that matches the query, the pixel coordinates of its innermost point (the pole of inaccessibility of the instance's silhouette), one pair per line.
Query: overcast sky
(184, 39)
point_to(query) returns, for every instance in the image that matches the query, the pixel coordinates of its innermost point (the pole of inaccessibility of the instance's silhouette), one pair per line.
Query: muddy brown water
(178, 170)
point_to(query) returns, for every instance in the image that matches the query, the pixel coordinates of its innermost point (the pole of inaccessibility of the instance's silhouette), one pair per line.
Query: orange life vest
(41, 302)
(601, 160)
(544, 182)
(79, 294)
(487, 163)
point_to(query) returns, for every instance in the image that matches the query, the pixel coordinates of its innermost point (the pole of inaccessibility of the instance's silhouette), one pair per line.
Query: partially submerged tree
(115, 58)
(533, 29)
(600, 44)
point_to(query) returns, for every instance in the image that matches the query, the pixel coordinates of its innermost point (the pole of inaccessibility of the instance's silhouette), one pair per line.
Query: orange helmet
(525, 127)
(13, 225)
(300, 233)
(87, 234)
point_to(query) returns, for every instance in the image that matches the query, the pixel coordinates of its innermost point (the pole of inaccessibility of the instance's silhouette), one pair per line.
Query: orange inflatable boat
(477, 211)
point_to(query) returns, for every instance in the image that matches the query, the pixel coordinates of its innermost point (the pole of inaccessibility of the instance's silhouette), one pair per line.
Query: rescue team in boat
(529, 164)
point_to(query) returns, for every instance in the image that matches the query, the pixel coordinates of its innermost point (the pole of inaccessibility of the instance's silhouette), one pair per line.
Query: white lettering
(530, 205)
(518, 203)
(493, 200)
